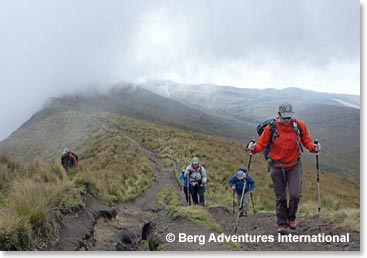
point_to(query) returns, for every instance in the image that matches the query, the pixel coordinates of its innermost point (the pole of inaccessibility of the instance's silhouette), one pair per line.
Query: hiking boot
(292, 224)
(283, 230)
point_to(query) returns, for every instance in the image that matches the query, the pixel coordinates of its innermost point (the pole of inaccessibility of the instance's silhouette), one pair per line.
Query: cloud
(49, 49)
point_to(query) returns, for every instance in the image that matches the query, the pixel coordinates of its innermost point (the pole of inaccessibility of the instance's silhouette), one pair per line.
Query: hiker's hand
(251, 146)
(316, 147)
(187, 173)
(233, 187)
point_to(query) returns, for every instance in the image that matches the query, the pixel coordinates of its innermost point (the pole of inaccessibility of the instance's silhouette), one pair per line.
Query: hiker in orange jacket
(285, 163)
(69, 159)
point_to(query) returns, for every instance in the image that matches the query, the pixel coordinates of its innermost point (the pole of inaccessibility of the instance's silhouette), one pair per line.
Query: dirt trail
(264, 224)
(133, 216)
(126, 230)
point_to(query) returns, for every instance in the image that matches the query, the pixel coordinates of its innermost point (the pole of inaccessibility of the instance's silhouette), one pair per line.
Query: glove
(251, 146)
(317, 147)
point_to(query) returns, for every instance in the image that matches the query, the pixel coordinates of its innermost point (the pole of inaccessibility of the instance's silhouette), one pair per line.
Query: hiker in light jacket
(197, 180)
(285, 162)
(237, 183)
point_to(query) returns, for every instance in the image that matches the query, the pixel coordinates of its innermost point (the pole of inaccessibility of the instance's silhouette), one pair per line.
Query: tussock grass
(197, 214)
(223, 158)
(116, 170)
(32, 193)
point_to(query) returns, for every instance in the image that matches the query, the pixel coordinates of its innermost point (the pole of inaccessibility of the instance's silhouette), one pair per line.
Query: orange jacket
(285, 147)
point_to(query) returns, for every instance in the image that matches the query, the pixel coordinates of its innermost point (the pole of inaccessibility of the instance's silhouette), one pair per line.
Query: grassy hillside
(340, 196)
(114, 168)
(338, 130)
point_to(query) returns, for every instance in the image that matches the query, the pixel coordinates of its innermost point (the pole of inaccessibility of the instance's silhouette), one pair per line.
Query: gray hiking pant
(246, 198)
(292, 177)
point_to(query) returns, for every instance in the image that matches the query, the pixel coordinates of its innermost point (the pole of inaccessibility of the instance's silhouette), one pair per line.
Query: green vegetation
(223, 157)
(113, 168)
(32, 194)
(168, 197)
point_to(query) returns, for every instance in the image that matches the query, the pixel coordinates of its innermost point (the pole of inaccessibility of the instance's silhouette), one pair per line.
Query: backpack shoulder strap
(299, 133)
(299, 128)
(273, 129)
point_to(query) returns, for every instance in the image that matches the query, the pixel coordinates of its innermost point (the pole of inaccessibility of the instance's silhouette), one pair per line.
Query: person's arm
(181, 176)
(306, 138)
(203, 175)
(63, 161)
(251, 183)
(75, 157)
(262, 142)
(232, 181)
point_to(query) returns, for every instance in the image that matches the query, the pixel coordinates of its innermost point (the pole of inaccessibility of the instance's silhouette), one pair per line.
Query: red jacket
(285, 147)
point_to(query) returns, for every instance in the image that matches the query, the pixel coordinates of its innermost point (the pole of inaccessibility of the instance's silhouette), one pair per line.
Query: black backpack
(274, 133)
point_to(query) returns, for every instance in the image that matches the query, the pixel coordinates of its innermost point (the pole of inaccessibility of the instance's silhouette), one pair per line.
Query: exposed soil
(144, 224)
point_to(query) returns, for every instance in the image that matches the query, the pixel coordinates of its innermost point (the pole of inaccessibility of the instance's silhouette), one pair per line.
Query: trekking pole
(233, 202)
(241, 207)
(182, 194)
(318, 184)
(188, 190)
(248, 169)
(249, 161)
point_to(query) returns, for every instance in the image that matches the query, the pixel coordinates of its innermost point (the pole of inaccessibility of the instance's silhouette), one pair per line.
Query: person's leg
(238, 202)
(246, 199)
(295, 188)
(201, 191)
(194, 194)
(186, 195)
(279, 187)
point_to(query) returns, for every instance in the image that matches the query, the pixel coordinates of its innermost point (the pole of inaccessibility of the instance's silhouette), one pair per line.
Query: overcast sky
(48, 48)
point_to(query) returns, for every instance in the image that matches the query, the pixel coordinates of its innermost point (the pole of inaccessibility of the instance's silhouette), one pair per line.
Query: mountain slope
(245, 104)
(338, 130)
(223, 111)
(334, 119)
(68, 120)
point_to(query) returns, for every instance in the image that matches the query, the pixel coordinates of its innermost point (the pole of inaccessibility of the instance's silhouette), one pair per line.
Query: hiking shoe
(292, 224)
(283, 230)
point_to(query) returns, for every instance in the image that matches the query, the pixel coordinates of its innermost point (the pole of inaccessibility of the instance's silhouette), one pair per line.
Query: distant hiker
(185, 185)
(237, 183)
(197, 180)
(69, 159)
(286, 137)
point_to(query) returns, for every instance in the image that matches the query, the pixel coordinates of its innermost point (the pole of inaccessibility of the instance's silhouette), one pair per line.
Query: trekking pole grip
(316, 142)
(251, 141)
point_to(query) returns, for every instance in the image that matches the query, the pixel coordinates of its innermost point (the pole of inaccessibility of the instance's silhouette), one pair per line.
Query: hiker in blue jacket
(184, 185)
(237, 182)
